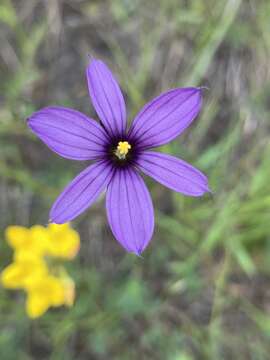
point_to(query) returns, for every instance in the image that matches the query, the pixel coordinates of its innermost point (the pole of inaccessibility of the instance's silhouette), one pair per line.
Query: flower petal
(81, 192)
(174, 173)
(130, 210)
(36, 305)
(107, 98)
(64, 242)
(166, 117)
(69, 133)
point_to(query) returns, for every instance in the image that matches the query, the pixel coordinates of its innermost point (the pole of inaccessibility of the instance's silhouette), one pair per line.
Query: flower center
(122, 149)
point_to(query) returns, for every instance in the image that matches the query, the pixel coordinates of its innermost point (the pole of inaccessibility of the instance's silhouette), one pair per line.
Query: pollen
(122, 149)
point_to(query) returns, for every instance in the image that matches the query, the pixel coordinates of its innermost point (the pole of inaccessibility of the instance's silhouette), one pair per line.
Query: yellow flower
(56, 240)
(34, 240)
(64, 242)
(46, 285)
(68, 285)
(46, 292)
(23, 271)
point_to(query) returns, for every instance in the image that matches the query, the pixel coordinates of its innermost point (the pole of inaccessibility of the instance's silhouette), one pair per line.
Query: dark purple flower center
(121, 152)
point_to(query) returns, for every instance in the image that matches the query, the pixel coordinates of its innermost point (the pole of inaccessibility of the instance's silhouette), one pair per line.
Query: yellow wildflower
(68, 285)
(23, 270)
(33, 240)
(46, 285)
(55, 240)
(63, 241)
(44, 293)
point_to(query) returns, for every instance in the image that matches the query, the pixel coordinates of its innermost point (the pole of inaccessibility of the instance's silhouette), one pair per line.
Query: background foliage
(201, 290)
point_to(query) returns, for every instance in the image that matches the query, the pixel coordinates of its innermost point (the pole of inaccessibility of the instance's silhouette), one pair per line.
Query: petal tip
(138, 253)
(29, 121)
(198, 91)
(205, 190)
(210, 191)
(94, 61)
(90, 57)
(55, 218)
(57, 222)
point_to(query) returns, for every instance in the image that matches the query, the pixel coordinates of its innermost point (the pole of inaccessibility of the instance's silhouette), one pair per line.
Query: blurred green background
(201, 290)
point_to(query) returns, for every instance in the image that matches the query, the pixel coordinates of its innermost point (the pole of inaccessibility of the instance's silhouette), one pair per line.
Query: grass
(201, 289)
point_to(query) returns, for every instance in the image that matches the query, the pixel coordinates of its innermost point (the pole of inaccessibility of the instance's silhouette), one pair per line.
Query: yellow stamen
(122, 149)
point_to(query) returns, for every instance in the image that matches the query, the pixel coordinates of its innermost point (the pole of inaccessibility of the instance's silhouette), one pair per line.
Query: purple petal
(166, 117)
(130, 210)
(107, 97)
(174, 173)
(69, 133)
(81, 192)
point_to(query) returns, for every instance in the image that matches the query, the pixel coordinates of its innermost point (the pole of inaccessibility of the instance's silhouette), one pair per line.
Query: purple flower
(120, 155)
